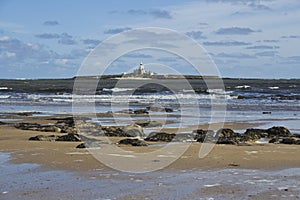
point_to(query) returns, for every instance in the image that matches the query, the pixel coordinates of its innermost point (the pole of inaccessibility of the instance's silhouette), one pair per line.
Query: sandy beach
(260, 162)
(64, 155)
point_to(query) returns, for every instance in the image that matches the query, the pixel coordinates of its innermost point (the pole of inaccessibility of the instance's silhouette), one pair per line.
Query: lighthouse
(140, 70)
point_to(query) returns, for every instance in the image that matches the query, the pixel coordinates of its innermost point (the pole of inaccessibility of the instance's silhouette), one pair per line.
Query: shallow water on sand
(31, 181)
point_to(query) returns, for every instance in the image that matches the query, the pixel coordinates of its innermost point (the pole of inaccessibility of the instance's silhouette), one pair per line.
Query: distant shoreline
(120, 76)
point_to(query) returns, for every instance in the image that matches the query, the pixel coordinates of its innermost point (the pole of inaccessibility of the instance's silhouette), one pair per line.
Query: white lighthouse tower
(140, 70)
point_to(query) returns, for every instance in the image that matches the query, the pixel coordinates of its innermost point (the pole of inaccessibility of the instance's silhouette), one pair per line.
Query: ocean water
(273, 102)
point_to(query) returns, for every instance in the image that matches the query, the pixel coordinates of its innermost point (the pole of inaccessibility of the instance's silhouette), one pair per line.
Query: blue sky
(245, 38)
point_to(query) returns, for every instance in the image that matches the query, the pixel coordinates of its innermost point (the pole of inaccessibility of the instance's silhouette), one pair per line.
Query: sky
(245, 38)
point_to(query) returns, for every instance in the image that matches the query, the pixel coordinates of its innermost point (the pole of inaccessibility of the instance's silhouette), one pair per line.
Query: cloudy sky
(245, 38)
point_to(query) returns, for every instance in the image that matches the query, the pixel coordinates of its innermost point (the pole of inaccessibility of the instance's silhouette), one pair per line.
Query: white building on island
(140, 71)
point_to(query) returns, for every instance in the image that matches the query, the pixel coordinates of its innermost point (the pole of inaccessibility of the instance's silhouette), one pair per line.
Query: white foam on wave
(117, 89)
(4, 96)
(243, 87)
(274, 88)
(5, 88)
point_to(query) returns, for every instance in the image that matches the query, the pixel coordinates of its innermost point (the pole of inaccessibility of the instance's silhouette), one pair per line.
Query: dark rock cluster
(160, 136)
(133, 142)
(63, 125)
(126, 131)
(51, 138)
(276, 134)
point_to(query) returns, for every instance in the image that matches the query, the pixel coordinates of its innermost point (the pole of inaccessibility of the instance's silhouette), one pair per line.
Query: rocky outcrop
(160, 136)
(228, 136)
(278, 135)
(200, 134)
(57, 138)
(278, 131)
(255, 134)
(133, 130)
(148, 123)
(69, 138)
(141, 111)
(81, 146)
(38, 127)
(133, 142)
(159, 109)
(114, 131)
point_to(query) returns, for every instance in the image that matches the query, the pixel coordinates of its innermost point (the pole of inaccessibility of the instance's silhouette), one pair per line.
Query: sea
(269, 102)
(264, 102)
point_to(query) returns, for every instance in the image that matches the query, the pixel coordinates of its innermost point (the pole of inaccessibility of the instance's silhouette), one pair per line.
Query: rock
(148, 123)
(228, 136)
(233, 165)
(38, 127)
(49, 128)
(160, 136)
(255, 134)
(48, 138)
(133, 130)
(67, 120)
(275, 140)
(168, 110)
(27, 113)
(81, 146)
(227, 133)
(28, 126)
(278, 131)
(200, 134)
(183, 137)
(141, 111)
(291, 140)
(114, 131)
(69, 138)
(2, 123)
(159, 109)
(241, 97)
(133, 142)
(266, 113)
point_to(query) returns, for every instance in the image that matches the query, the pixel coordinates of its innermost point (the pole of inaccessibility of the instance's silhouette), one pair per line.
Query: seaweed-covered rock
(133, 130)
(255, 134)
(133, 142)
(28, 126)
(275, 140)
(141, 111)
(278, 131)
(114, 131)
(183, 137)
(52, 138)
(160, 136)
(148, 123)
(81, 146)
(69, 138)
(285, 140)
(159, 109)
(228, 136)
(200, 134)
(290, 140)
(169, 110)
